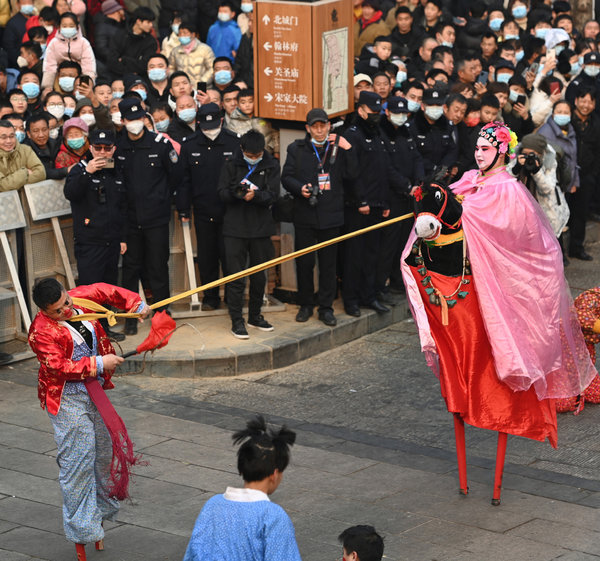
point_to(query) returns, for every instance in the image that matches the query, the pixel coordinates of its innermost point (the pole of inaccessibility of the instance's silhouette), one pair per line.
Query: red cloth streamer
(123, 458)
(163, 326)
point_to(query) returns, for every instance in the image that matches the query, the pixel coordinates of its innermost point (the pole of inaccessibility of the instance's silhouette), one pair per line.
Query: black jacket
(376, 175)
(468, 38)
(588, 147)
(98, 203)
(406, 44)
(244, 61)
(13, 37)
(249, 219)
(178, 129)
(105, 31)
(302, 167)
(47, 156)
(150, 168)
(434, 141)
(582, 79)
(128, 53)
(202, 160)
(369, 63)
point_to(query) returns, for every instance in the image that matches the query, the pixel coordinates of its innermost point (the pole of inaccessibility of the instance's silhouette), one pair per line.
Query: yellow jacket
(197, 64)
(14, 168)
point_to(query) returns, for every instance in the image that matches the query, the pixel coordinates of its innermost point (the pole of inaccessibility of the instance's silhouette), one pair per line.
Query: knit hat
(110, 7)
(83, 102)
(535, 142)
(75, 122)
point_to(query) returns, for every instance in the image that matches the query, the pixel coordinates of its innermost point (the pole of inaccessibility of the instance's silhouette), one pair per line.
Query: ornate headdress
(500, 136)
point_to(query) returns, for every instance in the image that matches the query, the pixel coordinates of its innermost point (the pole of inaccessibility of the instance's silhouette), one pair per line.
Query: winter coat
(224, 37)
(553, 134)
(241, 123)
(14, 166)
(468, 38)
(59, 49)
(244, 61)
(11, 39)
(48, 157)
(129, 52)
(196, 63)
(540, 104)
(406, 45)
(104, 33)
(368, 34)
(169, 43)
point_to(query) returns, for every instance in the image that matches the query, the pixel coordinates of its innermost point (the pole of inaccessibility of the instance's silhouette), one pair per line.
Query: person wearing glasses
(99, 206)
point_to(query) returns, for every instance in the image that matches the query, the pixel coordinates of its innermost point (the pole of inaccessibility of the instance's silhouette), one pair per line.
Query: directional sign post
(303, 58)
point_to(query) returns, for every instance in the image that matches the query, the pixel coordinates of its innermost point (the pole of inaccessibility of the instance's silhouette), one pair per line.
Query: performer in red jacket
(76, 364)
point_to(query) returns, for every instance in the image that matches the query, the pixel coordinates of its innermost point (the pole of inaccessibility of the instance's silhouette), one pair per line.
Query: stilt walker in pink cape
(504, 341)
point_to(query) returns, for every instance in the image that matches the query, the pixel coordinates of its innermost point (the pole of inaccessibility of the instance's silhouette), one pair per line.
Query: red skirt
(468, 379)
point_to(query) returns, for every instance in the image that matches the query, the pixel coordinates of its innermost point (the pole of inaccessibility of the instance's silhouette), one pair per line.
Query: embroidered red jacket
(53, 344)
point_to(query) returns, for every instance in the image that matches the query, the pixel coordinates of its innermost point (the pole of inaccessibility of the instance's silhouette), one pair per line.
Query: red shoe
(80, 548)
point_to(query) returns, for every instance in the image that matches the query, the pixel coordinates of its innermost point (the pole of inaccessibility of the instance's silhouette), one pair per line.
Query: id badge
(251, 185)
(324, 183)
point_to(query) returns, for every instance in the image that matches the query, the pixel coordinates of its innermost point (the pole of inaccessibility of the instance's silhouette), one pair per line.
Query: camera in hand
(314, 194)
(242, 189)
(532, 163)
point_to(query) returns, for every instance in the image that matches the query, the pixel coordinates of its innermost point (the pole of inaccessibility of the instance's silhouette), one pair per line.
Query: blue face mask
(175, 28)
(541, 33)
(252, 161)
(142, 93)
(185, 40)
(400, 77)
(27, 9)
(519, 12)
(559, 49)
(69, 111)
(31, 90)
(187, 115)
(117, 95)
(66, 83)
(413, 106)
(247, 8)
(513, 96)
(322, 143)
(76, 143)
(496, 23)
(223, 77)
(562, 120)
(434, 112)
(509, 36)
(162, 126)
(79, 96)
(519, 55)
(43, 46)
(20, 136)
(68, 32)
(447, 44)
(157, 74)
(575, 68)
(503, 78)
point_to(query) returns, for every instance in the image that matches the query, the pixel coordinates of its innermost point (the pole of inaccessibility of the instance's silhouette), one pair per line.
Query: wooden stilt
(100, 545)
(80, 548)
(500, 456)
(461, 453)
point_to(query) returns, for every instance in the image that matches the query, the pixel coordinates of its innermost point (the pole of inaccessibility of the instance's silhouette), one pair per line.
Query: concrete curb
(284, 348)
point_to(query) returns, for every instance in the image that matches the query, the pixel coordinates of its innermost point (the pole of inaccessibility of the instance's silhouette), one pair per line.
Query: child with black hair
(243, 524)
(361, 543)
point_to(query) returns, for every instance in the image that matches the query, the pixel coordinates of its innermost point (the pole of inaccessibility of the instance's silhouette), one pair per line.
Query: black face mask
(373, 119)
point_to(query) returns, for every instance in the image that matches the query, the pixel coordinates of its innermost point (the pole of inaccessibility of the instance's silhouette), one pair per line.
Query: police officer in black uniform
(98, 203)
(432, 132)
(202, 157)
(150, 168)
(313, 173)
(367, 203)
(408, 163)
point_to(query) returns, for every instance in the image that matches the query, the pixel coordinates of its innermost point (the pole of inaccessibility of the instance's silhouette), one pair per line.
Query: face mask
(503, 78)
(43, 45)
(575, 68)
(223, 77)
(68, 32)
(434, 112)
(317, 143)
(562, 120)
(142, 94)
(519, 55)
(20, 136)
(251, 161)
(413, 106)
(89, 119)
(162, 126)
(135, 127)
(31, 90)
(79, 96)
(49, 29)
(519, 12)
(223, 17)
(212, 133)
(580, 60)
(513, 95)
(185, 40)
(591, 71)
(509, 36)
(448, 44)
(187, 115)
(472, 121)
(69, 111)
(398, 119)
(21, 62)
(541, 33)
(175, 28)
(247, 8)
(116, 118)
(118, 95)
(400, 77)
(76, 143)
(53, 134)
(66, 83)
(373, 118)
(559, 49)
(496, 23)
(27, 9)
(157, 74)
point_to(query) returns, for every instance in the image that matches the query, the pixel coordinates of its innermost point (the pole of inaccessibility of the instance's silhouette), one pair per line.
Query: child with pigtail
(242, 524)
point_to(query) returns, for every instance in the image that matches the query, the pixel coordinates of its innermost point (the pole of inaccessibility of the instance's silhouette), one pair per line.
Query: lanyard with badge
(324, 182)
(246, 181)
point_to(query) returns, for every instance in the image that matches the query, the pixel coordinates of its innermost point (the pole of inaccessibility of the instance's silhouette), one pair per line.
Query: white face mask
(223, 17)
(89, 119)
(135, 127)
(21, 61)
(56, 111)
(212, 133)
(53, 133)
(116, 118)
(398, 119)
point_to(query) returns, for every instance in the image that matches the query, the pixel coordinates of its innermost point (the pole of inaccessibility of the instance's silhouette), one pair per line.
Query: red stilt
(80, 548)
(500, 455)
(461, 453)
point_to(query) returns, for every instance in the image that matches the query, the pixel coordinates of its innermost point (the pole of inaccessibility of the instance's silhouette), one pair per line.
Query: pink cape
(523, 295)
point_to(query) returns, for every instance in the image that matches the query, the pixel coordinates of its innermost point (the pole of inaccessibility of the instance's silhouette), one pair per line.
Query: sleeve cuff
(99, 365)
(140, 307)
